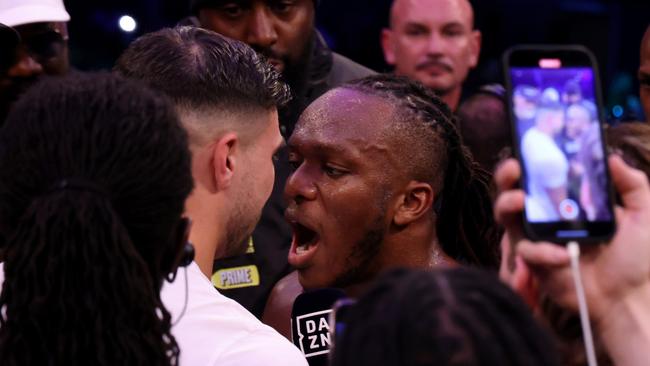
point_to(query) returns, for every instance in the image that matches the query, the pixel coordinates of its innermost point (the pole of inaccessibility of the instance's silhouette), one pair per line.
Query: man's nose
(300, 187)
(437, 44)
(25, 66)
(262, 31)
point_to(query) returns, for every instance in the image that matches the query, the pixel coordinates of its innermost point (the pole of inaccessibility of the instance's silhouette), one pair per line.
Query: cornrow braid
(465, 223)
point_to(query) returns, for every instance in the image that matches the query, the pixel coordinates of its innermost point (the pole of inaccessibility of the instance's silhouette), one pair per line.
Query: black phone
(555, 109)
(339, 318)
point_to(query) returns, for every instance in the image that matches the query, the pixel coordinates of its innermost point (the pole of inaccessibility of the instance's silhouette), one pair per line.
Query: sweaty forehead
(439, 12)
(344, 115)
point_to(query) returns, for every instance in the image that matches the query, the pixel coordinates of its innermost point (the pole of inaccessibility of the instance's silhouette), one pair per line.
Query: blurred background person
(443, 317)
(525, 99)
(433, 42)
(285, 33)
(547, 167)
(94, 174)
(612, 30)
(593, 182)
(571, 92)
(43, 48)
(632, 142)
(581, 122)
(484, 124)
(9, 41)
(644, 73)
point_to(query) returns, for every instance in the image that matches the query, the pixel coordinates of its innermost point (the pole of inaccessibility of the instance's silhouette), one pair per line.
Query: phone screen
(555, 112)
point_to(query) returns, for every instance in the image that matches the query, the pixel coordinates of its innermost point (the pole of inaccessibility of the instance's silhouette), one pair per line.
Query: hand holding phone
(616, 276)
(554, 103)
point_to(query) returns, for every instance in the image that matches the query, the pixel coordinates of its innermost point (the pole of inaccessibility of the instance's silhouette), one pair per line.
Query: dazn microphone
(310, 330)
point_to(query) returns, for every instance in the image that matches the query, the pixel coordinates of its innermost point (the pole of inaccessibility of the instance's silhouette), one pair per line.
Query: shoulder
(215, 329)
(344, 70)
(257, 349)
(536, 139)
(277, 312)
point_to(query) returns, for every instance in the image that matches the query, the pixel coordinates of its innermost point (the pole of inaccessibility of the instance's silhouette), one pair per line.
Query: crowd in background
(190, 205)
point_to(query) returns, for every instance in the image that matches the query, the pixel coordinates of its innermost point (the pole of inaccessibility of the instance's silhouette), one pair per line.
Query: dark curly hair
(94, 172)
(465, 222)
(460, 316)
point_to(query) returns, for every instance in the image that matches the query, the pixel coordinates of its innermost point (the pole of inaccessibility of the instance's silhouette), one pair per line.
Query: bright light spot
(617, 111)
(127, 23)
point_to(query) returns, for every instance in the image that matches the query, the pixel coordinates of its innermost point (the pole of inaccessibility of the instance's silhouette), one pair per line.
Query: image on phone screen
(557, 124)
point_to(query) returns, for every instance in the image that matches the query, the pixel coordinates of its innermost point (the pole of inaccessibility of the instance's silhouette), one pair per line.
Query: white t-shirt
(547, 168)
(216, 330)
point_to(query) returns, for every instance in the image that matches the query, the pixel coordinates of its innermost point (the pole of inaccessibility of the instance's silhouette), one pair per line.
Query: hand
(612, 273)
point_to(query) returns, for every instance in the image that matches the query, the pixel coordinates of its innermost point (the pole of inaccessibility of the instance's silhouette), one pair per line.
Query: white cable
(574, 254)
(180, 316)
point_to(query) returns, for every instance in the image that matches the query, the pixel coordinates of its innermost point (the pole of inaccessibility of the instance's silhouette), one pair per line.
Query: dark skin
(43, 51)
(279, 29)
(350, 193)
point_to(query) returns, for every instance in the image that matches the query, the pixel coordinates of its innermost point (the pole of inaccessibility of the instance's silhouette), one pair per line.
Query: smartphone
(555, 107)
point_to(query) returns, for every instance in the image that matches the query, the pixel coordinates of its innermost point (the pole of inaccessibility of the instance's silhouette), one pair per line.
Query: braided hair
(94, 172)
(465, 223)
(459, 316)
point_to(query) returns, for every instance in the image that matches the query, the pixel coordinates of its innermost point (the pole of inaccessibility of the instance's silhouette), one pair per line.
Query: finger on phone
(509, 205)
(631, 183)
(507, 174)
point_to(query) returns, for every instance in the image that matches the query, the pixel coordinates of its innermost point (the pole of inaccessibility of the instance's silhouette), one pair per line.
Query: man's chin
(309, 283)
(440, 84)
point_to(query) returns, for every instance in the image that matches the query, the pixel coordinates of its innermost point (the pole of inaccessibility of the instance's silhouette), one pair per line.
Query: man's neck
(545, 129)
(425, 256)
(206, 231)
(452, 98)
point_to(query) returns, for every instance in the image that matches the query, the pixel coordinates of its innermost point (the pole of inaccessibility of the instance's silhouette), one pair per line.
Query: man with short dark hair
(43, 47)
(284, 32)
(227, 99)
(433, 42)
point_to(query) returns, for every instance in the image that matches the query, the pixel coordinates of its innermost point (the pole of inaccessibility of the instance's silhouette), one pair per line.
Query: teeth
(302, 249)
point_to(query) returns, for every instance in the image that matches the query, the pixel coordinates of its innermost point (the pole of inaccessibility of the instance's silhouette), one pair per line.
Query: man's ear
(387, 45)
(415, 202)
(225, 155)
(475, 47)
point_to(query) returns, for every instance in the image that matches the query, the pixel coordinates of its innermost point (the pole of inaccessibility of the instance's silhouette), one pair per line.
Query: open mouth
(303, 246)
(305, 238)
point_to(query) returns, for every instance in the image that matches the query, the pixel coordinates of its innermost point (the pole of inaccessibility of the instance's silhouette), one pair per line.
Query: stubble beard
(360, 265)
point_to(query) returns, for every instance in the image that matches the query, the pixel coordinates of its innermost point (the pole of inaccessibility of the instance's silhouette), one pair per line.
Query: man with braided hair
(380, 180)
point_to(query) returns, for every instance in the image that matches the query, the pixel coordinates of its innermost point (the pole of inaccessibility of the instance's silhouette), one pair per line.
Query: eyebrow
(413, 23)
(454, 24)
